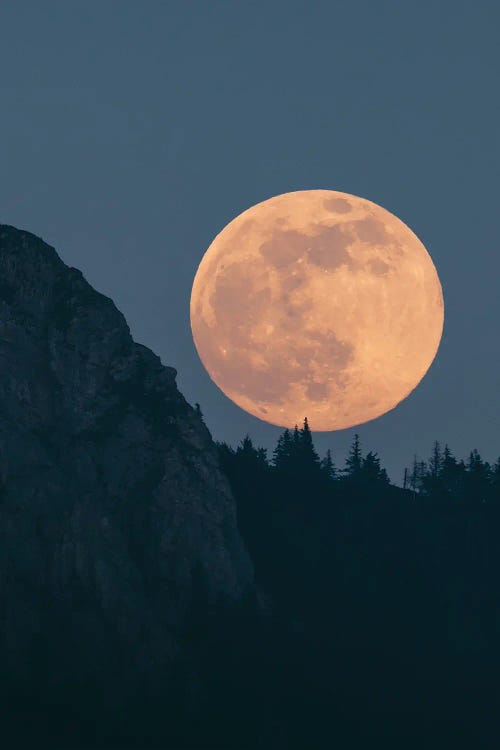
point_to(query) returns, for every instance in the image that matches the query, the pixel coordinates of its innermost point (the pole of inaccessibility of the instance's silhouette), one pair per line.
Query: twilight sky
(132, 132)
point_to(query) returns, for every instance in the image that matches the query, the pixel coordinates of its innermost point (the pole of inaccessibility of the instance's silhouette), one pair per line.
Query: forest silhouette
(295, 461)
(384, 599)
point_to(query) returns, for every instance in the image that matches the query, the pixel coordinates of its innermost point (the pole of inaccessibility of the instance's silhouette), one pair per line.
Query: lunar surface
(316, 304)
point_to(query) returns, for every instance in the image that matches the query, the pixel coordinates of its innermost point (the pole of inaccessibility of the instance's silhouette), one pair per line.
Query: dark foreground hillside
(388, 599)
(157, 590)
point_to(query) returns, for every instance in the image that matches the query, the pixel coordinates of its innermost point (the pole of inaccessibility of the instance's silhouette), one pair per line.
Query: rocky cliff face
(115, 520)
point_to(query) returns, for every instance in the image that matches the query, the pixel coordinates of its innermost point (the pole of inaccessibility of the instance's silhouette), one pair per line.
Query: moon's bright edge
(317, 303)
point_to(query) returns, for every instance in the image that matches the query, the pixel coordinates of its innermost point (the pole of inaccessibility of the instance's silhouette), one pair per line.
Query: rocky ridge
(115, 519)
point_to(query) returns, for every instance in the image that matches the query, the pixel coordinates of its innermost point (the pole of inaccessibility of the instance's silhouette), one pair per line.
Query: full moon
(317, 303)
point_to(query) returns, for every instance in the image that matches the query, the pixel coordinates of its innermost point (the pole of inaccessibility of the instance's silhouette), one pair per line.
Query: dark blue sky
(132, 132)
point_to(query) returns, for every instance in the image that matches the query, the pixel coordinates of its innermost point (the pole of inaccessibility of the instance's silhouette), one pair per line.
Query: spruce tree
(414, 476)
(431, 481)
(354, 460)
(371, 471)
(307, 455)
(226, 455)
(435, 460)
(449, 471)
(248, 456)
(422, 473)
(328, 466)
(370, 467)
(283, 451)
(477, 478)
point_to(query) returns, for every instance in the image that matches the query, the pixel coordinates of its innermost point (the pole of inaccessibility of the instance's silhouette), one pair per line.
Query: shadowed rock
(115, 520)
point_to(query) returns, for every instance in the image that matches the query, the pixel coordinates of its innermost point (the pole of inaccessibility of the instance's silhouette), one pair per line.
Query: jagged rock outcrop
(115, 519)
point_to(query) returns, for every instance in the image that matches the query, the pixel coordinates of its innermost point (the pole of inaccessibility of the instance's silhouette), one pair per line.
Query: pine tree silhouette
(328, 467)
(450, 472)
(295, 454)
(435, 460)
(415, 476)
(282, 453)
(306, 454)
(354, 460)
(251, 457)
(477, 484)
(371, 470)
(431, 481)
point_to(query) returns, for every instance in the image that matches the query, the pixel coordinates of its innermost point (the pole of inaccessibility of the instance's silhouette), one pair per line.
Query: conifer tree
(449, 472)
(414, 476)
(371, 470)
(431, 479)
(307, 455)
(435, 460)
(248, 456)
(370, 467)
(283, 451)
(328, 466)
(244, 463)
(448, 461)
(354, 459)
(262, 456)
(226, 454)
(384, 477)
(422, 472)
(477, 485)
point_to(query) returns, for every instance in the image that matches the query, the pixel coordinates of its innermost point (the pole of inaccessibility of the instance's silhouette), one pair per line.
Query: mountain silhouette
(115, 519)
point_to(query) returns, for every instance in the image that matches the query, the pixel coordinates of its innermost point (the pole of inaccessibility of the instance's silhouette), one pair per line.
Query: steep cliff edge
(114, 515)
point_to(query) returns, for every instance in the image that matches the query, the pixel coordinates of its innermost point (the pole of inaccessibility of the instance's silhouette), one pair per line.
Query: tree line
(384, 599)
(295, 462)
(445, 476)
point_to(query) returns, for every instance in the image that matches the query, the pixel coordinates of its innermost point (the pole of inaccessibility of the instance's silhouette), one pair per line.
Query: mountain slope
(115, 519)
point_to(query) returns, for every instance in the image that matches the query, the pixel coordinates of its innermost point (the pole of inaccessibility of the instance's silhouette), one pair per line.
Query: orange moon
(317, 303)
